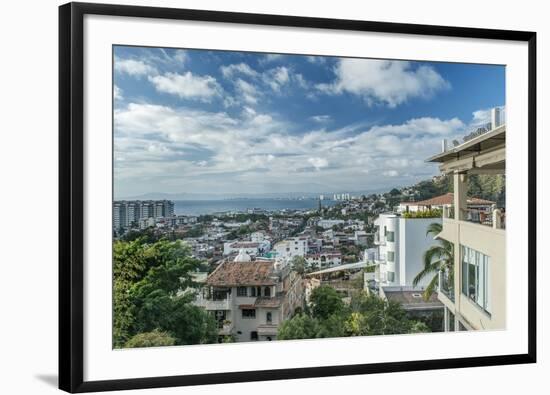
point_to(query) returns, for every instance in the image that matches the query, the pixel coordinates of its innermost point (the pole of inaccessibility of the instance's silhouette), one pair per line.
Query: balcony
(214, 304)
(494, 218)
(446, 286)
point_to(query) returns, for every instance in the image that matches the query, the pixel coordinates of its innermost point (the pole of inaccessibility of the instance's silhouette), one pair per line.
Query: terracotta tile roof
(229, 274)
(446, 199)
(269, 302)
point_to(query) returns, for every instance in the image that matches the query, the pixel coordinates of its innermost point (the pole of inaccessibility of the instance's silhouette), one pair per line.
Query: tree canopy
(151, 281)
(366, 315)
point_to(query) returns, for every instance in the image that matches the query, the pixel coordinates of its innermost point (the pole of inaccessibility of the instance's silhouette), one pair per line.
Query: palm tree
(437, 258)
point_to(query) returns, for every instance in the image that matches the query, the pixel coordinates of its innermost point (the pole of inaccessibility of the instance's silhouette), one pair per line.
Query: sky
(230, 122)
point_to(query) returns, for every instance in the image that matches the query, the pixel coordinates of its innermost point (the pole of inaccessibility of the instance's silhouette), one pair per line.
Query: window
(391, 277)
(249, 313)
(252, 291)
(268, 318)
(267, 291)
(391, 256)
(390, 236)
(253, 335)
(475, 277)
(242, 291)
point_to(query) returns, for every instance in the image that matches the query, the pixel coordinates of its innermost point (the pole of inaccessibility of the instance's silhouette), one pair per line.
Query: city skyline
(215, 122)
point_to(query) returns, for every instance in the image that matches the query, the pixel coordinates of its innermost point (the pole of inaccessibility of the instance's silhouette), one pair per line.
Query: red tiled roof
(230, 274)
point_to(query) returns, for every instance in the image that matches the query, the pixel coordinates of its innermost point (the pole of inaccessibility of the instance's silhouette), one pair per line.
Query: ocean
(198, 207)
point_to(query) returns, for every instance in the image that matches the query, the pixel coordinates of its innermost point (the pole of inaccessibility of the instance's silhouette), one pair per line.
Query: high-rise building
(128, 213)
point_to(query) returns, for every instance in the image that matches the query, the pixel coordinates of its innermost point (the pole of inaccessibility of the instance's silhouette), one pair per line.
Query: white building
(324, 260)
(329, 223)
(250, 298)
(401, 243)
(248, 247)
(289, 248)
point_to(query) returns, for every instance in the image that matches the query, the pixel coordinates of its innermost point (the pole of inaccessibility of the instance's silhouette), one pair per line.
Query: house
(475, 298)
(324, 259)
(251, 248)
(251, 297)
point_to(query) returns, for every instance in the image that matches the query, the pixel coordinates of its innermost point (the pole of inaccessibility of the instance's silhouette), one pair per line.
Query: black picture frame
(71, 205)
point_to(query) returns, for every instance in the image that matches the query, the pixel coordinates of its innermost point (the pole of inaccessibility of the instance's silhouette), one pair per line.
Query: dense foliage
(155, 338)
(431, 213)
(366, 315)
(149, 280)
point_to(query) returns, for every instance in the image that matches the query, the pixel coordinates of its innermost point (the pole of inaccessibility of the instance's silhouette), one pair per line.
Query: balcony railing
(446, 287)
(495, 218)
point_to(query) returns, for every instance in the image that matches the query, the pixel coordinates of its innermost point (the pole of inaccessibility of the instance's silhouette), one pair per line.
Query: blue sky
(216, 122)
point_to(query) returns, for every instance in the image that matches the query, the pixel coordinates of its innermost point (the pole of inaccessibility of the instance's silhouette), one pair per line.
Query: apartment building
(251, 297)
(289, 248)
(474, 295)
(401, 245)
(128, 213)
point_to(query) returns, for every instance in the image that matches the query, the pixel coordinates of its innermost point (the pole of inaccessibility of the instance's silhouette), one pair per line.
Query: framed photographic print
(251, 197)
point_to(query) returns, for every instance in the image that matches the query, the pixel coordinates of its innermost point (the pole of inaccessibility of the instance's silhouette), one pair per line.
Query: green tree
(301, 326)
(373, 315)
(155, 338)
(436, 258)
(325, 301)
(299, 264)
(150, 293)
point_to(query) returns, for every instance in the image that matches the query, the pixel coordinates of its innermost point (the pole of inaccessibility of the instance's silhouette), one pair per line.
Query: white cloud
(271, 57)
(117, 93)
(240, 68)
(247, 91)
(318, 163)
(256, 151)
(316, 59)
(384, 81)
(321, 118)
(187, 85)
(134, 67)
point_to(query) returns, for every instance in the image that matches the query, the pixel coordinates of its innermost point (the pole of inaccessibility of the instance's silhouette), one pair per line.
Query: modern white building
(475, 295)
(289, 248)
(250, 298)
(401, 246)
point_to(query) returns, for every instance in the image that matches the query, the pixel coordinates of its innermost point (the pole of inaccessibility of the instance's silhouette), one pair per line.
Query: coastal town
(260, 268)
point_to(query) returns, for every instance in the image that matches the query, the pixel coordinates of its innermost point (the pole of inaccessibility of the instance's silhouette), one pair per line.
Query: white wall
(413, 241)
(29, 151)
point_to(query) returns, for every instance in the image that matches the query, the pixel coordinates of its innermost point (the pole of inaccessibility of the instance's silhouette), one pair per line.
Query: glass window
(249, 313)
(252, 291)
(475, 277)
(390, 236)
(391, 277)
(391, 256)
(267, 291)
(242, 291)
(268, 317)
